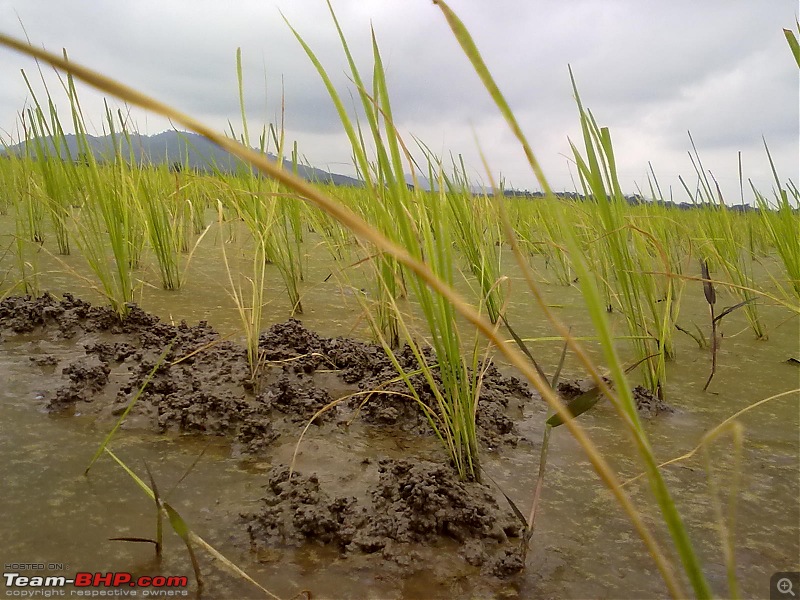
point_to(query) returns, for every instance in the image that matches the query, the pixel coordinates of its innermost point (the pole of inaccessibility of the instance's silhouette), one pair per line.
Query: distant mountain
(426, 184)
(422, 182)
(189, 150)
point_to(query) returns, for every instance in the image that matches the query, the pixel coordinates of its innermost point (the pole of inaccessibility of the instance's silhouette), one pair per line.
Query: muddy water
(60, 516)
(583, 546)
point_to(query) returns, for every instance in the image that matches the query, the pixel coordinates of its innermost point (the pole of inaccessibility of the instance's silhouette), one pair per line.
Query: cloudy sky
(650, 70)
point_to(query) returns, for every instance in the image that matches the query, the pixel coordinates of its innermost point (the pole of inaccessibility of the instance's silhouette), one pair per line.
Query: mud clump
(204, 385)
(116, 352)
(386, 404)
(495, 426)
(299, 349)
(298, 399)
(65, 318)
(199, 411)
(647, 403)
(413, 503)
(87, 377)
(254, 436)
(44, 361)
(572, 389)
(296, 510)
(420, 501)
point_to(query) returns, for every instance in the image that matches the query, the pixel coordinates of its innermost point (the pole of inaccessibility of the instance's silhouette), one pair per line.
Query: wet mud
(188, 380)
(412, 503)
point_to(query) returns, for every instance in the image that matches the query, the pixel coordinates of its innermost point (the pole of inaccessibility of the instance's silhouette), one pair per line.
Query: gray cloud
(650, 70)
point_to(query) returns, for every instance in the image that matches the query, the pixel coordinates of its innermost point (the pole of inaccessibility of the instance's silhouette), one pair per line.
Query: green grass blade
(793, 44)
(471, 50)
(118, 424)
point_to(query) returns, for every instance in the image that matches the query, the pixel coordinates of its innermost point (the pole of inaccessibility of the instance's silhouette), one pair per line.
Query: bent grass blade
(671, 516)
(187, 534)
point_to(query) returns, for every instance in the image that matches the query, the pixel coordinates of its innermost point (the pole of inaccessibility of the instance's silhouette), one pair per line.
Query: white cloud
(650, 70)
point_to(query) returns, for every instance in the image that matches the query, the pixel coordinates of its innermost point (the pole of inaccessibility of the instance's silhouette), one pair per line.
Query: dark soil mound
(648, 404)
(203, 385)
(412, 503)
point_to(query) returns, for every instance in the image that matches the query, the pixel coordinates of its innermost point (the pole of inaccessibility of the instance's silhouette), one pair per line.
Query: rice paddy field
(281, 389)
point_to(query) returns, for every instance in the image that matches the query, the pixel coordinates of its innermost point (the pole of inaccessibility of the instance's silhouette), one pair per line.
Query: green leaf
(790, 37)
(578, 405)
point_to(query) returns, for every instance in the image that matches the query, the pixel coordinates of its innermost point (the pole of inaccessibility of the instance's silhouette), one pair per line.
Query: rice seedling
(420, 223)
(107, 221)
(284, 242)
(32, 208)
(335, 237)
(385, 189)
(722, 244)
(101, 230)
(18, 177)
(247, 291)
(649, 325)
(552, 242)
(163, 229)
(7, 177)
(254, 200)
(128, 210)
(179, 526)
(54, 167)
(183, 211)
(198, 202)
(285, 248)
(260, 205)
(477, 236)
(293, 211)
(782, 226)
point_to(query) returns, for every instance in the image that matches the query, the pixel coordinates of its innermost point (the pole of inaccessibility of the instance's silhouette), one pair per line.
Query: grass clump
(419, 223)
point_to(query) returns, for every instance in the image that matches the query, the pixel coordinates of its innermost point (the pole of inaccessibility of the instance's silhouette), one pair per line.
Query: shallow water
(583, 546)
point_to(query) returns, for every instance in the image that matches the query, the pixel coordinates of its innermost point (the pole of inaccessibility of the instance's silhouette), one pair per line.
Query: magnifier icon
(785, 586)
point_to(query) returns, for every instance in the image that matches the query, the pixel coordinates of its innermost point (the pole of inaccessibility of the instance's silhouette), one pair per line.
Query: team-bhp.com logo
(95, 584)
